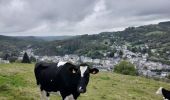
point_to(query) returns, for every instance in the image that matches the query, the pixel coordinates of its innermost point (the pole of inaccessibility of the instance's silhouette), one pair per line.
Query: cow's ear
(73, 70)
(94, 71)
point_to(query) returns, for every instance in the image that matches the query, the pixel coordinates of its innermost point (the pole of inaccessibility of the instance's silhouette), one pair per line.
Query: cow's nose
(81, 90)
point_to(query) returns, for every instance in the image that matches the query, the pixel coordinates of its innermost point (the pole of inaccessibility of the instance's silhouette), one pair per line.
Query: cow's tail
(37, 70)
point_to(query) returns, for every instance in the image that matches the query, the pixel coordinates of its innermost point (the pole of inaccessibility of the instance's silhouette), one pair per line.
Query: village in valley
(144, 66)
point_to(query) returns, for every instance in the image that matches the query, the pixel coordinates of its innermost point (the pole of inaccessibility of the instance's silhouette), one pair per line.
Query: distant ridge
(52, 38)
(165, 24)
(45, 38)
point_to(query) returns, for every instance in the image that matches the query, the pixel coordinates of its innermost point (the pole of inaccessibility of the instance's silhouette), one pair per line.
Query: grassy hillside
(17, 82)
(156, 36)
(14, 45)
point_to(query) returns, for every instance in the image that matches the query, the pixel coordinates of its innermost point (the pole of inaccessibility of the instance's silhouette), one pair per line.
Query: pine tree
(6, 57)
(26, 58)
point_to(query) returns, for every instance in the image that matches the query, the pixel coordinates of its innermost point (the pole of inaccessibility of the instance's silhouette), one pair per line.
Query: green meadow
(17, 82)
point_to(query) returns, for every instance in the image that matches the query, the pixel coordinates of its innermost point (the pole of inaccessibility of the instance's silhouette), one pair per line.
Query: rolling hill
(17, 82)
(144, 39)
(14, 45)
(152, 39)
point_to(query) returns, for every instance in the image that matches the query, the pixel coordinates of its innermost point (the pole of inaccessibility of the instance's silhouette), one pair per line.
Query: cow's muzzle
(81, 89)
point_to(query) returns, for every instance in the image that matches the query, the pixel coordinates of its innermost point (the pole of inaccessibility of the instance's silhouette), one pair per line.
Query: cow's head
(83, 71)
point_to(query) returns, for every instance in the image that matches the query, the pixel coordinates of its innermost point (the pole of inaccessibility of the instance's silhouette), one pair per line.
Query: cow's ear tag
(94, 71)
(73, 70)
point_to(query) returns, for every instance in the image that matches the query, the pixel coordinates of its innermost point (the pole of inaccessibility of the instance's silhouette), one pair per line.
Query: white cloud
(71, 17)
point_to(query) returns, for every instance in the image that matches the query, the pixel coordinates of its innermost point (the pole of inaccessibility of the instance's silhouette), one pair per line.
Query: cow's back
(53, 78)
(44, 72)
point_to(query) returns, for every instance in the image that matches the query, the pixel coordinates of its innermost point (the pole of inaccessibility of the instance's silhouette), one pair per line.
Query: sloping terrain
(156, 37)
(17, 82)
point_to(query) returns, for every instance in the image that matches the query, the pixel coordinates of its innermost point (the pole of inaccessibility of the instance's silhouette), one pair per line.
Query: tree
(26, 58)
(168, 76)
(125, 68)
(112, 53)
(120, 53)
(32, 59)
(6, 57)
(94, 54)
(12, 59)
(134, 49)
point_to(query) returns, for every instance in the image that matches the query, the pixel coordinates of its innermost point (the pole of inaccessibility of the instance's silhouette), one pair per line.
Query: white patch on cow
(164, 98)
(80, 88)
(61, 63)
(159, 91)
(82, 70)
(69, 97)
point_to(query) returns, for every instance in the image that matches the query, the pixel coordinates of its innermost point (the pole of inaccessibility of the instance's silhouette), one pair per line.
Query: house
(164, 74)
(4, 61)
(86, 59)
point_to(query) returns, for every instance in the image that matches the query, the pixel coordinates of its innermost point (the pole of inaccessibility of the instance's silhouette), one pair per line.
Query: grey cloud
(71, 17)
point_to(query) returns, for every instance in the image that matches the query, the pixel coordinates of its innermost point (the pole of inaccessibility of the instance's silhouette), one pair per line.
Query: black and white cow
(164, 92)
(63, 77)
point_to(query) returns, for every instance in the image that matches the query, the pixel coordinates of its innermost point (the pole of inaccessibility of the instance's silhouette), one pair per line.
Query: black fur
(166, 93)
(52, 78)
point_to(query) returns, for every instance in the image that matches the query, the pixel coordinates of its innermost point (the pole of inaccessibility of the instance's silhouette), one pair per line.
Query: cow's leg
(69, 97)
(47, 96)
(44, 95)
(75, 95)
(41, 93)
(64, 96)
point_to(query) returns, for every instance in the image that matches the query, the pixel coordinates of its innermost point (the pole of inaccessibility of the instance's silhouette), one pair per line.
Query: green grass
(17, 82)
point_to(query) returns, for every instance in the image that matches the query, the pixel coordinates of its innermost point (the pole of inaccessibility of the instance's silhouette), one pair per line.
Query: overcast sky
(73, 17)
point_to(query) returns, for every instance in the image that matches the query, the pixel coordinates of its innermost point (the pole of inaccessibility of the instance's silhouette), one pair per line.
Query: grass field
(17, 82)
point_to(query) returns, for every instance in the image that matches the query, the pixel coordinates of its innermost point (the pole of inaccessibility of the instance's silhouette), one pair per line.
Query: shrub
(168, 76)
(12, 59)
(26, 58)
(32, 59)
(125, 68)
